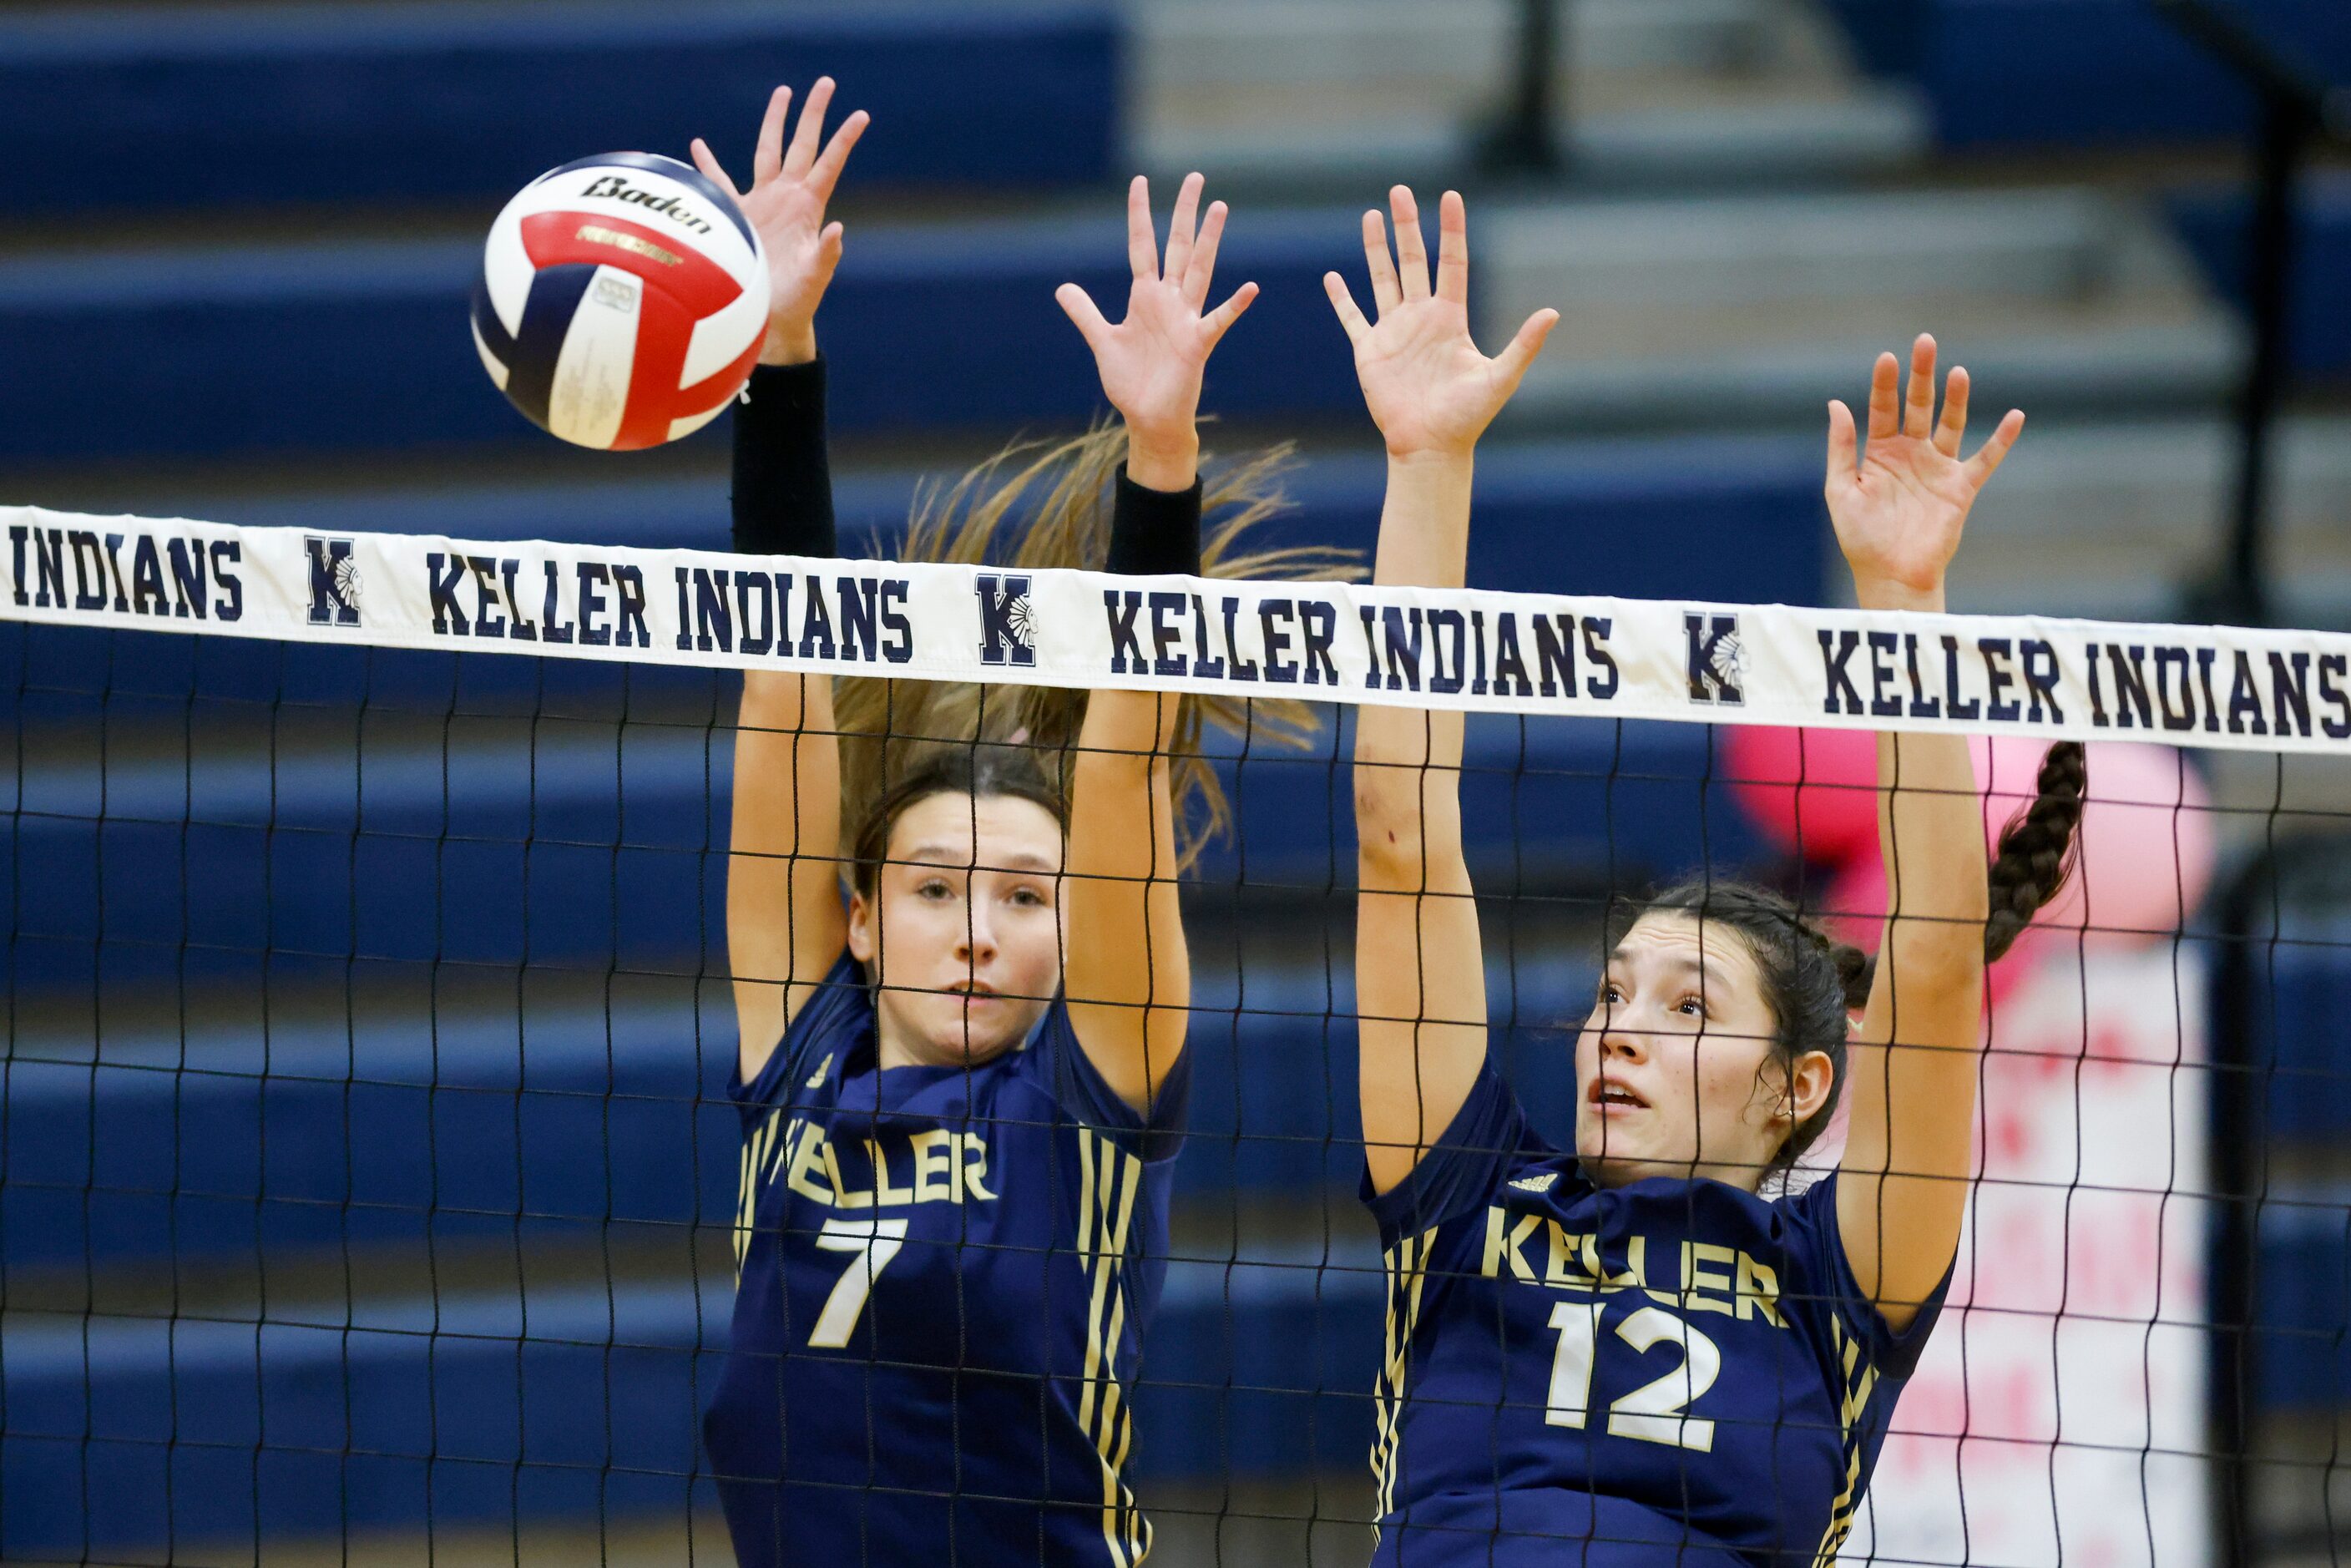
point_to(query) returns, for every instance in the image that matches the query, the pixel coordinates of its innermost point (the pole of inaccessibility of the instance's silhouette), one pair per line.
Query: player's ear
(863, 938)
(1811, 1079)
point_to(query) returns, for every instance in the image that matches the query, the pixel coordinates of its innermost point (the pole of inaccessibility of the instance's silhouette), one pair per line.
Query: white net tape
(1570, 656)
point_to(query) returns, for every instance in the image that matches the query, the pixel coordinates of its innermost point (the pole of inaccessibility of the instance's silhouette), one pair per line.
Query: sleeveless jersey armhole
(1813, 1214)
(1462, 1168)
(1057, 1063)
(829, 1023)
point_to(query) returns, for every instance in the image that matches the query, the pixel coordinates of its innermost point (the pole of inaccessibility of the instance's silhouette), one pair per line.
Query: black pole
(2246, 913)
(1522, 141)
(2295, 108)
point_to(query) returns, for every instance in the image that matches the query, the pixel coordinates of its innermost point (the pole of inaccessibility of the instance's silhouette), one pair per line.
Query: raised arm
(785, 926)
(1912, 1068)
(1420, 975)
(1128, 972)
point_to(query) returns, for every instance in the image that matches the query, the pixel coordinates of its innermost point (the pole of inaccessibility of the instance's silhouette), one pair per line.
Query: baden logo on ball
(679, 289)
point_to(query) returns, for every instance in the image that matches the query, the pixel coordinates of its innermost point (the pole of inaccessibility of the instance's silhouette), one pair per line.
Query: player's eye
(1611, 992)
(1028, 897)
(1693, 1005)
(934, 889)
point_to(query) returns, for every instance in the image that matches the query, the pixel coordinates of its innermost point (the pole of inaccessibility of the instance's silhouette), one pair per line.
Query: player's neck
(897, 1046)
(1625, 1173)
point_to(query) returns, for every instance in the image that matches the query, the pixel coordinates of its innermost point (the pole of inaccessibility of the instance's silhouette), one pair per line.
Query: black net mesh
(372, 1189)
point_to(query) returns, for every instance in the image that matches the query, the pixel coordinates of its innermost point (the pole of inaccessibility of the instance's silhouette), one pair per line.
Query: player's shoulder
(1052, 1068)
(1489, 1145)
(822, 1038)
(1540, 1174)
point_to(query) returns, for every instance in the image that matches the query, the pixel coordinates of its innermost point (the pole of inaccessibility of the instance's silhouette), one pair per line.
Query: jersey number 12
(1652, 1412)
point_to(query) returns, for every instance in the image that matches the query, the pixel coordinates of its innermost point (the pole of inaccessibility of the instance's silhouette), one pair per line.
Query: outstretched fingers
(1182, 226)
(1202, 268)
(1845, 445)
(1918, 409)
(716, 172)
(826, 173)
(1220, 320)
(828, 252)
(1350, 318)
(1884, 392)
(1141, 247)
(1083, 313)
(1987, 462)
(1519, 354)
(810, 132)
(768, 156)
(1387, 293)
(1953, 427)
(1411, 252)
(1453, 249)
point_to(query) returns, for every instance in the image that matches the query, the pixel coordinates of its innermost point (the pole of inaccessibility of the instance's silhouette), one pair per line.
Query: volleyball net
(368, 1164)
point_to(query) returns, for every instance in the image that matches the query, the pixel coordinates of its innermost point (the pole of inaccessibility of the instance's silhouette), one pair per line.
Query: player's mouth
(975, 993)
(1612, 1098)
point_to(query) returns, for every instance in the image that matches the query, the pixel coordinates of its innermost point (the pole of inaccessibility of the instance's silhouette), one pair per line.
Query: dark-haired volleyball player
(961, 1092)
(1621, 1352)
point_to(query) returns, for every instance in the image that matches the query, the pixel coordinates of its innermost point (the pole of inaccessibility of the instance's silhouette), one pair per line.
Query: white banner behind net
(1569, 655)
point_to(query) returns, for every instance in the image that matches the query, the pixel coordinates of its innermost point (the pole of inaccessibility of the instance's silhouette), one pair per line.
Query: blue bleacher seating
(2301, 1336)
(2080, 72)
(574, 1120)
(439, 102)
(2216, 224)
(596, 853)
(558, 1123)
(2298, 1347)
(336, 346)
(210, 1432)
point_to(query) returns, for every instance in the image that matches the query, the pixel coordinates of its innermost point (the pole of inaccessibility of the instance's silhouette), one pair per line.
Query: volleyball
(621, 301)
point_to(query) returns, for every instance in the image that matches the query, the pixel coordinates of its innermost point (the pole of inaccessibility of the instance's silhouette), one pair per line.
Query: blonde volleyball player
(963, 1087)
(1621, 1352)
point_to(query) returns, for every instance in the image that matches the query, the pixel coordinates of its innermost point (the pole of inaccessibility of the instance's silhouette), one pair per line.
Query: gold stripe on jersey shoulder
(751, 1175)
(1406, 1266)
(1860, 1381)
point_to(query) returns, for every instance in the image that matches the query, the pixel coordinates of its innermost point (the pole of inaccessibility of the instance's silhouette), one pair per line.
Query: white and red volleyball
(622, 301)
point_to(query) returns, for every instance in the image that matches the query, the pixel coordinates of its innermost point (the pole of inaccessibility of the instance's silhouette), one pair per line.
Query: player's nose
(978, 943)
(1620, 1039)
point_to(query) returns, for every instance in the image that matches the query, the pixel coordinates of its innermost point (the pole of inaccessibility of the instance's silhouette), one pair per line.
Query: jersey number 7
(872, 1243)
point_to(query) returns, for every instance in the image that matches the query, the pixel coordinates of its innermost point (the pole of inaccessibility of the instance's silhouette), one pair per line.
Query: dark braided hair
(1813, 983)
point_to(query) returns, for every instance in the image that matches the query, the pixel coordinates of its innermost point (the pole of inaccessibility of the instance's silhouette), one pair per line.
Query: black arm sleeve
(1155, 533)
(783, 480)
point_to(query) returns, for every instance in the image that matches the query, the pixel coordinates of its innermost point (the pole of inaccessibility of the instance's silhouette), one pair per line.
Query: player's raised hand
(790, 188)
(1152, 363)
(1430, 391)
(1900, 507)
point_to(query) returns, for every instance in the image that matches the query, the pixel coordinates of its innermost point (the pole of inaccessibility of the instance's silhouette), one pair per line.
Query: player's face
(1670, 1068)
(963, 934)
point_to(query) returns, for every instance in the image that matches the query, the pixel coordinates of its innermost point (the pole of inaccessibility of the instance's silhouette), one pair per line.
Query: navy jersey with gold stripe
(1671, 1370)
(943, 1277)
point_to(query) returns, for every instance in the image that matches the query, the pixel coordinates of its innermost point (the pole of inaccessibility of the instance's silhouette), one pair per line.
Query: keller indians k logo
(1716, 668)
(1007, 635)
(334, 581)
